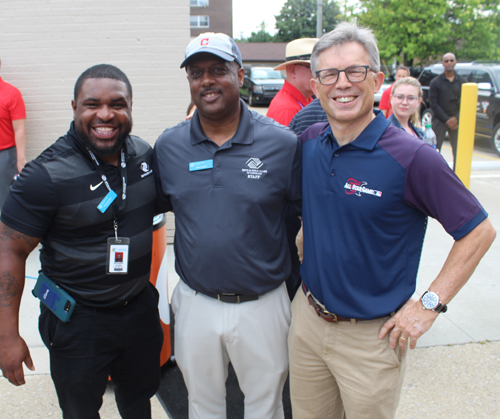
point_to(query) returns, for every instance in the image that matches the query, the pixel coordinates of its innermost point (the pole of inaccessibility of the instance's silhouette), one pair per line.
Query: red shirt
(287, 102)
(11, 109)
(385, 101)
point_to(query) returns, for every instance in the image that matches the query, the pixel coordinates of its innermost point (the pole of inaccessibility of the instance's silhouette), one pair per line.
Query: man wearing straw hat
(296, 92)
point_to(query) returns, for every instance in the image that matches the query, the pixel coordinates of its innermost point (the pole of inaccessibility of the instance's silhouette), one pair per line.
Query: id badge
(118, 251)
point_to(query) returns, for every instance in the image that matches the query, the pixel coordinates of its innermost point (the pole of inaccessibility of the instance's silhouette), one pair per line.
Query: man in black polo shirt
(88, 197)
(228, 174)
(444, 95)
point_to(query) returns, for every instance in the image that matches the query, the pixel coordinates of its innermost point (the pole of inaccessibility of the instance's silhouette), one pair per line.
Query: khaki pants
(341, 367)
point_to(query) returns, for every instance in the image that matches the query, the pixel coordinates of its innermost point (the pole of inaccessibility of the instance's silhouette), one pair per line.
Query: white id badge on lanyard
(118, 251)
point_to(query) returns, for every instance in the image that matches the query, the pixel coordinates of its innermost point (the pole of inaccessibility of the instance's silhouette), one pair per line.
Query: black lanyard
(123, 172)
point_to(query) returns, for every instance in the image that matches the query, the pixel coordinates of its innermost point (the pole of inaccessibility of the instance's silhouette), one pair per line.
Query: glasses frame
(366, 67)
(406, 98)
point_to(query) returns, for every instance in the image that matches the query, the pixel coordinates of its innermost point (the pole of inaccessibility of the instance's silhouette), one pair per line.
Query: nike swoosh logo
(93, 188)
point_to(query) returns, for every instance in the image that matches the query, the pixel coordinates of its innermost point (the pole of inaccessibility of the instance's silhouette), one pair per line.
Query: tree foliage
(426, 29)
(260, 36)
(297, 19)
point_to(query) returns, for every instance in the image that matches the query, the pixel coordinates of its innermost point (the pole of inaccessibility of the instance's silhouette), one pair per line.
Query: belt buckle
(333, 315)
(229, 295)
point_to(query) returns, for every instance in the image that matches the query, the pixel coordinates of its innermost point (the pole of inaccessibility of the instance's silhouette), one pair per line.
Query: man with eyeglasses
(444, 95)
(368, 188)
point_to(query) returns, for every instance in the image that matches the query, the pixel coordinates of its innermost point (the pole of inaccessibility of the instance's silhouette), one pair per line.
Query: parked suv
(261, 84)
(487, 76)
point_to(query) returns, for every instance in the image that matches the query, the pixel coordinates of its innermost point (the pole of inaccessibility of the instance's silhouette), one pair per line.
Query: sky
(248, 15)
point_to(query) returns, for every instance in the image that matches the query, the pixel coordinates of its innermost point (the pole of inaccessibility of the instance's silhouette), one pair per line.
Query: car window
(466, 73)
(481, 76)
(428, 74)
(266, 74)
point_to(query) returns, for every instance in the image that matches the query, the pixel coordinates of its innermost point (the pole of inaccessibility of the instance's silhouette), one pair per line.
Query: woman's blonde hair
(411, 81)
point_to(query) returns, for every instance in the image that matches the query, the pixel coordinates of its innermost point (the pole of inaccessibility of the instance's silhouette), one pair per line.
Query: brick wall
(45, 45)
(220, 13)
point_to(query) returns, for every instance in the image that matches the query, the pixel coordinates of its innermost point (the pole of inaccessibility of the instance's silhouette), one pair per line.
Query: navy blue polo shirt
(229, 208)
(365, 213)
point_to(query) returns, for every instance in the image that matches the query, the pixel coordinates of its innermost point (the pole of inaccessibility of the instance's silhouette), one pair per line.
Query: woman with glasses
(405, 101)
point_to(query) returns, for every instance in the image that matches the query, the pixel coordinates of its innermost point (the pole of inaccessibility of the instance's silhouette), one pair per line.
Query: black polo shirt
(444, 96)
(56, 198)
(230, 232)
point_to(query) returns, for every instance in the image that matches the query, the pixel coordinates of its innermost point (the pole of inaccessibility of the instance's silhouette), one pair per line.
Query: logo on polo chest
(356, 187)
(254, 170)
(146, 169)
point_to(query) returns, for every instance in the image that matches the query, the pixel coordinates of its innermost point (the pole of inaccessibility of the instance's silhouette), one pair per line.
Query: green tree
(476, 29)
(426, 29)
(408, 29)
(297, 19)
(261, 35)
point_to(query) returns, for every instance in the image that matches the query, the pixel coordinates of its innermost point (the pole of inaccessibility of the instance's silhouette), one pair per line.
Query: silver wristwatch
(430, 301)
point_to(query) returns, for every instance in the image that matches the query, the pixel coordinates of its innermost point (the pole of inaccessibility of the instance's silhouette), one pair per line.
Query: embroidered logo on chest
(356, 187)
(254, 170)
(146, 169)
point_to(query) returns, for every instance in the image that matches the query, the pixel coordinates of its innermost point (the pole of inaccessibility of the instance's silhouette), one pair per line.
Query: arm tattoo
(9, 233)
(9, 288)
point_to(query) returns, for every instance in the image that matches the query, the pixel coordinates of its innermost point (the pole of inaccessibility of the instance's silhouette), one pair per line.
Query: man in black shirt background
(444, 95)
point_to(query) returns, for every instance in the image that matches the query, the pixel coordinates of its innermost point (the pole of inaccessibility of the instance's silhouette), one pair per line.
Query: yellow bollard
(466, 132)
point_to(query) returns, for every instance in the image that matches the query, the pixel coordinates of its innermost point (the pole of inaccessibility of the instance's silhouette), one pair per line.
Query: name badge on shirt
(107, 201)
(201, 165)
(118, 251)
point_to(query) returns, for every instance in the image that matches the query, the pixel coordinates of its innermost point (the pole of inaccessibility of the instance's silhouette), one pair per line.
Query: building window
(199, 22)
(198, 3)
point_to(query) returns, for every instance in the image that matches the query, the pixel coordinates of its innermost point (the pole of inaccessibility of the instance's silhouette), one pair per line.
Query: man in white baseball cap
(296, 92)
(213, 43)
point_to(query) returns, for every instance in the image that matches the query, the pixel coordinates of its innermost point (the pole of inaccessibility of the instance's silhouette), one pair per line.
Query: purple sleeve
(313, 131)
(433, 188)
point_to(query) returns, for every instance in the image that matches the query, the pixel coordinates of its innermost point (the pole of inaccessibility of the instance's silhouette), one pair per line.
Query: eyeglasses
(448, 61)
(401, 98)
(354, 74)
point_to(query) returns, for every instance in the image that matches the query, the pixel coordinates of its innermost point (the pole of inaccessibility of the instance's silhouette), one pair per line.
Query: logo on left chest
(254, 170)
(356, 187)
(145, 169)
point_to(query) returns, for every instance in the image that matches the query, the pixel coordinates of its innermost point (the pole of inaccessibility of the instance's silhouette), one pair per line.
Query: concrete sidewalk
(453, 373)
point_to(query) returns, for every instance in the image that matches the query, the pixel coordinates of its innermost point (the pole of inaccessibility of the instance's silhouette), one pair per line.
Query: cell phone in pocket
(54, 297)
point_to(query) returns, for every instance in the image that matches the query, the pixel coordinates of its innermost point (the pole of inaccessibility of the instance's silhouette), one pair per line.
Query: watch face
(430, 300)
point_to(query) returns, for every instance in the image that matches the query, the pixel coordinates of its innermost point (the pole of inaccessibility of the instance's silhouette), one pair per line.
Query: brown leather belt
(323, 313)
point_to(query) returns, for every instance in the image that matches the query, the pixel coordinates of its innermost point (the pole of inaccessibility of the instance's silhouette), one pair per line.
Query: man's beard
(124, 132)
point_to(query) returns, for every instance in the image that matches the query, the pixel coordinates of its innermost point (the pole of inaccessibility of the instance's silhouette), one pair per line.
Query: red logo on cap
(204, 42)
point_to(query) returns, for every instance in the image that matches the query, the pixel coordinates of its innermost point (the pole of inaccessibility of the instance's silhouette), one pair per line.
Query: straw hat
(298, 51)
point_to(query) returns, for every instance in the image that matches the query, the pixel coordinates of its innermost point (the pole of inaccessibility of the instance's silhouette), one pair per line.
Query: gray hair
(402, 67)
(344, 33)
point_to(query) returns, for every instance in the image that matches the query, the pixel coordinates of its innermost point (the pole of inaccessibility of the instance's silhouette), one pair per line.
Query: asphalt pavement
(453, 373)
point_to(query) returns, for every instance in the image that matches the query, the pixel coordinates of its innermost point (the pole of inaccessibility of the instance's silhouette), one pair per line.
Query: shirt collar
(296, 93)
(243, 135)
(368, 139)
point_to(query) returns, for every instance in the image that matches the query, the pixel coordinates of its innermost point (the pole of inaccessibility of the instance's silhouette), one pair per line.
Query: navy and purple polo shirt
(365, 209)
